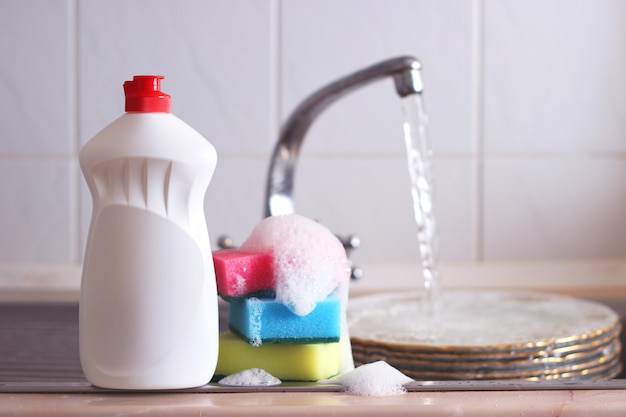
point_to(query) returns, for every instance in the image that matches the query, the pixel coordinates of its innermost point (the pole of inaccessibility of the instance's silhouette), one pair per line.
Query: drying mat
(39, 342)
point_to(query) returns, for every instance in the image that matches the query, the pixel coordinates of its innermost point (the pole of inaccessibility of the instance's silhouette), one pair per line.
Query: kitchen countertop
(500, 403)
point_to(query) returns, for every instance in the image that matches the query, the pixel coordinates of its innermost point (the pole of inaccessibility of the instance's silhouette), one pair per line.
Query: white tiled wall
(526, 101)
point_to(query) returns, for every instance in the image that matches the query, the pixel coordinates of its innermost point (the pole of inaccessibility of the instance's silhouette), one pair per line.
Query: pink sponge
(243, 273)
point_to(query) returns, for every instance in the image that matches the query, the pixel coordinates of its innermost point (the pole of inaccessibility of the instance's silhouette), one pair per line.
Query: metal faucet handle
(349, 243)
(225, 242)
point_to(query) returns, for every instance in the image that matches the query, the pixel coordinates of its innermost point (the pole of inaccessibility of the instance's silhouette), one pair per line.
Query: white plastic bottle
(148, 304)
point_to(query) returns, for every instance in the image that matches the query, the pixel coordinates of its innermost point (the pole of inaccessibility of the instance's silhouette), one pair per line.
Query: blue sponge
(265, 320)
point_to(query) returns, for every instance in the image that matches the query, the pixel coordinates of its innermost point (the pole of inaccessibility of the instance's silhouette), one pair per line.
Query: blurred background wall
(526, 103)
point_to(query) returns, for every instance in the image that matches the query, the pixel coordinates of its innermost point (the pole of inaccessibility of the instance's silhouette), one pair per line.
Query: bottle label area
(143, 295)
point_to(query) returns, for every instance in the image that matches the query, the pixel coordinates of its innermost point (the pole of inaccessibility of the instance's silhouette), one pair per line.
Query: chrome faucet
(405, 72)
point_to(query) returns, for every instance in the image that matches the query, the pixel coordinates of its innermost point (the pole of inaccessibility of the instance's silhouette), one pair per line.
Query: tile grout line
(478, 130)
(276, 68)
(76, 231)
(275, 77)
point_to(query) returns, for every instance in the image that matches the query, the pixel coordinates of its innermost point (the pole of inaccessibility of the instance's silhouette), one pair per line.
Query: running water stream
(419, 156)
(480, 334)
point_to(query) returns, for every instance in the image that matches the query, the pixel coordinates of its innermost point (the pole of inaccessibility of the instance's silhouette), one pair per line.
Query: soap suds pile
(251, 378)
(309, 261)
(372, 379)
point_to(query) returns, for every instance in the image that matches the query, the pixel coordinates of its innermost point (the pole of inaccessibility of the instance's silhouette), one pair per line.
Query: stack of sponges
(264, 333)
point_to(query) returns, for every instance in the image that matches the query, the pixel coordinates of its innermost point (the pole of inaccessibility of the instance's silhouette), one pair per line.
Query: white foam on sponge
(372, 379)
(310, 262)
(250, 377)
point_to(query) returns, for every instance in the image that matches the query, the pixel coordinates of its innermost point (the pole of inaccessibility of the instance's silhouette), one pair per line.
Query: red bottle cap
(143, 94)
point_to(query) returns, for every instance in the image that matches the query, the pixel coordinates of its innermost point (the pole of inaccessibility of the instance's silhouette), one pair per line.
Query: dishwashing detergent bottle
(148, 302)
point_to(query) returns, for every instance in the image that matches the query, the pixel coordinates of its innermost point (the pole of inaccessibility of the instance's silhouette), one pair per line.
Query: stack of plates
(487, 335)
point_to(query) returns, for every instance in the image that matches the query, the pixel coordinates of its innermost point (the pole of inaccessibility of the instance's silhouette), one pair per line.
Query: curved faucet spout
(405, 72)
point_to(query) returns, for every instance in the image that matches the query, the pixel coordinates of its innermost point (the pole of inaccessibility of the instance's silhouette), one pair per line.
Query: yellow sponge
(304, 362)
